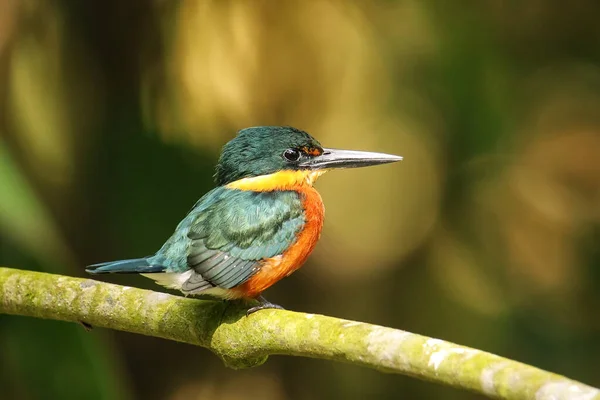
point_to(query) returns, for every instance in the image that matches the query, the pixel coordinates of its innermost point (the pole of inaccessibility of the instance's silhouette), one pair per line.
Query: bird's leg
(264, 304)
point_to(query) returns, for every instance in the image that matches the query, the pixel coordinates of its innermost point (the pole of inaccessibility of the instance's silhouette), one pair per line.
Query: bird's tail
(133, 266)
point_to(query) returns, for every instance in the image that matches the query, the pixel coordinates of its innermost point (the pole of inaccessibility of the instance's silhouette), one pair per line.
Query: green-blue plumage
(223, 238)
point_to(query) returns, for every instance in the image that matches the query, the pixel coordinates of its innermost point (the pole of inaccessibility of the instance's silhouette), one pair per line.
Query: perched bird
(257, 226)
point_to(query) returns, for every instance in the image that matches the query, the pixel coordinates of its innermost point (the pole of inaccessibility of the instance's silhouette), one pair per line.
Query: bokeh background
(112, 115)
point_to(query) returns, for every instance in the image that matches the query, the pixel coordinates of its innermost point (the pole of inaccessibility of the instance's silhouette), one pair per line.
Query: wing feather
(230, 237)
(240, 273)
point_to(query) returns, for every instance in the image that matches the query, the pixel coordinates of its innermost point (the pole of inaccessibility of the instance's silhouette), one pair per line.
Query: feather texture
(225, 239)
(230, 238)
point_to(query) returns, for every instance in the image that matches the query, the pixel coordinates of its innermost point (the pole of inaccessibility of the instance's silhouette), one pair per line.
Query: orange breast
(276, 268)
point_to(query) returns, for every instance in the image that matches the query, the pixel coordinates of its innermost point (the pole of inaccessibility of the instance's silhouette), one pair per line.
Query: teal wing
(230, 237)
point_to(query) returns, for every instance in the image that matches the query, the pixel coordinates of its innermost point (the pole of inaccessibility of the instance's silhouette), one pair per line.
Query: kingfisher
(257, 226)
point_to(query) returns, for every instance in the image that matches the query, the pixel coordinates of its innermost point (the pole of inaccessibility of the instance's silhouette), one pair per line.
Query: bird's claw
(264, 305)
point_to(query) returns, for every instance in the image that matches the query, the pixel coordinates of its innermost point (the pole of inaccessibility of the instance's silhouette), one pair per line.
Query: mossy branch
(247, 341)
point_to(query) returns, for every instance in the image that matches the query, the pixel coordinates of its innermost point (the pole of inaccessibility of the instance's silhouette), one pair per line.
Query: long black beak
(334, 158)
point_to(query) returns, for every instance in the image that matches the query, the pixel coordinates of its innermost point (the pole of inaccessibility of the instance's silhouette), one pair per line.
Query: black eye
(291, 155)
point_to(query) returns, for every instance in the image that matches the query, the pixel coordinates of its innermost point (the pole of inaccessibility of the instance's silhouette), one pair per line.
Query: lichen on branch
(244, 341)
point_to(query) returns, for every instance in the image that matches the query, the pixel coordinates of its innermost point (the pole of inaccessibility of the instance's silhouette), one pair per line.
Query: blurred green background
(112, 114)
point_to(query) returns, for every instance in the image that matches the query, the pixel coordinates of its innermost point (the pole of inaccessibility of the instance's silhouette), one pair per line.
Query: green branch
(247, 341)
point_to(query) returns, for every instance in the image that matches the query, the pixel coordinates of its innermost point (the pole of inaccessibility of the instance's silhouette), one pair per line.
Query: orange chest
(314, 212)
(274, 269)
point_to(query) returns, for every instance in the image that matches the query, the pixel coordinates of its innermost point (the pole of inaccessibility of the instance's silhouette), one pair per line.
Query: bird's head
(279, 157)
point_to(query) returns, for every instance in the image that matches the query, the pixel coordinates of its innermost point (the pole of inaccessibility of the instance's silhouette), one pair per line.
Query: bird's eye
(291, 155)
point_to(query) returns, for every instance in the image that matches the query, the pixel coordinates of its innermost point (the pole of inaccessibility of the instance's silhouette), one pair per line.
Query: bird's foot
(264, 305)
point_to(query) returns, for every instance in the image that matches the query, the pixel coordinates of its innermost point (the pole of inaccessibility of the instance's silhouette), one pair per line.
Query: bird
(258, 224)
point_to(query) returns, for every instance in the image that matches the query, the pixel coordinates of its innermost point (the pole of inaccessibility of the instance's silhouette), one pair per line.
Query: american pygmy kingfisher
(257, 226)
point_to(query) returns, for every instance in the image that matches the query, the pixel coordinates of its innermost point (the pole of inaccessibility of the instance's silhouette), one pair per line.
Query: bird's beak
(334, 158)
